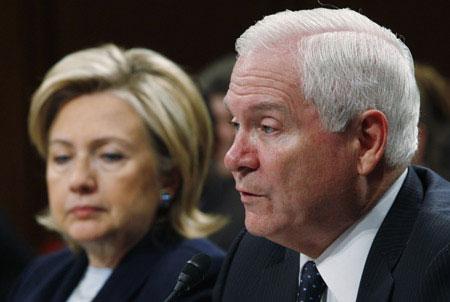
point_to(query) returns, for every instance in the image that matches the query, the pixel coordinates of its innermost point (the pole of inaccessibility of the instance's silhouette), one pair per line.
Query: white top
(341, 264)
(93, 280)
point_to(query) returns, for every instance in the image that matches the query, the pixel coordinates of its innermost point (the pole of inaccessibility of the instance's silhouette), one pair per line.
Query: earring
(166, 198)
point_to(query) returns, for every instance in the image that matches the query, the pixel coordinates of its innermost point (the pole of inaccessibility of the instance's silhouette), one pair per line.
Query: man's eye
(267, 129)
(235, 125)
(112, 157)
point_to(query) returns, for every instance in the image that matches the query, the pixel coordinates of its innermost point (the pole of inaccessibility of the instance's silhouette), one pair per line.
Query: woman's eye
(112, 156)
(61, 159)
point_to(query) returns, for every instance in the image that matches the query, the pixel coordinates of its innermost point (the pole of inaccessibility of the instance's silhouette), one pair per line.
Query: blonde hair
(167, 101)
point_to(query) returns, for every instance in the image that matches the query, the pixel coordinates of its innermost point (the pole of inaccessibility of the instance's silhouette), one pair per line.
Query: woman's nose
(83, 177)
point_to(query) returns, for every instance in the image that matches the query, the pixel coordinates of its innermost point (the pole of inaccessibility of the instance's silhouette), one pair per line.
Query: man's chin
(259, 228)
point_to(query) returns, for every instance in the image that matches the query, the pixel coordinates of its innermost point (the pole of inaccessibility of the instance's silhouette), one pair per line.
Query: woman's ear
(170, 182)
(372, 136)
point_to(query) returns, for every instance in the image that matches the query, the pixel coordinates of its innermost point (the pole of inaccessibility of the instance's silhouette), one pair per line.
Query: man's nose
(83, 177)
(242, 155)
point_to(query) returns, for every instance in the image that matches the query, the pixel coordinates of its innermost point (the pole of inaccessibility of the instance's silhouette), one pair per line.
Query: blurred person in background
(434, 123)
(219, 194)
(126, 138)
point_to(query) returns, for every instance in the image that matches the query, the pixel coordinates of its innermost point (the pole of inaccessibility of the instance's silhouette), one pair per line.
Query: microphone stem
(171, 297)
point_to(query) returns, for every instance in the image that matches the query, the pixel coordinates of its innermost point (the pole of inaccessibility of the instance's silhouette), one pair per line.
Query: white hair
(347, 64)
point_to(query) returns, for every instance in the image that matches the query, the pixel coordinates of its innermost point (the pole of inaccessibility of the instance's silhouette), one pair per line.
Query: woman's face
(101, 171)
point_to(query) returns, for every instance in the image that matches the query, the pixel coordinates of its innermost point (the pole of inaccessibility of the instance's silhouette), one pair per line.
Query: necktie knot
(311, 284)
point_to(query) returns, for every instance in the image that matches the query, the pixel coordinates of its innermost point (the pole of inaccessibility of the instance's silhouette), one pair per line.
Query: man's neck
(316, 240)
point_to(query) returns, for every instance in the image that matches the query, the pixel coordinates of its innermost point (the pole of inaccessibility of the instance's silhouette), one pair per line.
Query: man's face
(295, 177)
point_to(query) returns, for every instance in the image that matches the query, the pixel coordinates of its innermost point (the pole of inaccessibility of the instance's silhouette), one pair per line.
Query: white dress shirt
(341, 264)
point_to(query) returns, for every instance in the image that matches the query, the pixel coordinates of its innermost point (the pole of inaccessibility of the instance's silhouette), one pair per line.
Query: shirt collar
(341, 264)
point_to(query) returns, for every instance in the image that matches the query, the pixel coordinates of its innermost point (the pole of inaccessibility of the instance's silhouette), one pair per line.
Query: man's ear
(372, 137)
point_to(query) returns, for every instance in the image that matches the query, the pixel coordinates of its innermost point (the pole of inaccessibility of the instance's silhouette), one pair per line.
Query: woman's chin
(86, 233)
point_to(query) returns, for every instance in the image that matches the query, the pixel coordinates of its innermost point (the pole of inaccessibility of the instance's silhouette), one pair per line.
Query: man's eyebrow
(263, 106)
(225, 103)
(268, 106)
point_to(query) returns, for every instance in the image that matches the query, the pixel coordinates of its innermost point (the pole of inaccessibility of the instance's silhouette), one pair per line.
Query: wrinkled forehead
(266, 73)
(275, 60)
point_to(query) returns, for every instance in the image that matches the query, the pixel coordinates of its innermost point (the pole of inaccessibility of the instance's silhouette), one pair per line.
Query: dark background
(36, 34)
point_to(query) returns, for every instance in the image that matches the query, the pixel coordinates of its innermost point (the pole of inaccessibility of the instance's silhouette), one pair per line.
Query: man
(325, 107)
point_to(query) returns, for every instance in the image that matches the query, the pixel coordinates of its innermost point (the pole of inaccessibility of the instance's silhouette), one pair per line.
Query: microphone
(193, 272)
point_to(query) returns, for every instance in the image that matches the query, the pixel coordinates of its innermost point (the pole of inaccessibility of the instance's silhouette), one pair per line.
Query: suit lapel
(125, 281)
(279, 279)
(131, 275)
(71, 278)
(258, 271)
(377, 280)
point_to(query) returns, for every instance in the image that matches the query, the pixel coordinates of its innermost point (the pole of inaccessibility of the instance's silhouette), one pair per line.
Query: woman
(126, 139)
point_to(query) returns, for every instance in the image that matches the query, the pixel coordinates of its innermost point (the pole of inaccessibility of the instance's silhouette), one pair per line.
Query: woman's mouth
(85, 212)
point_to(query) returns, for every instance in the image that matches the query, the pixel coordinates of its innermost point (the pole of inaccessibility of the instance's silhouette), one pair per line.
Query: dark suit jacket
(147, 273)
(409, 259)
(15, 256)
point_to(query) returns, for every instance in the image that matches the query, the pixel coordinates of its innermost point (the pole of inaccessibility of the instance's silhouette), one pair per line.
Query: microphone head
(193, 272)
(199, 264)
